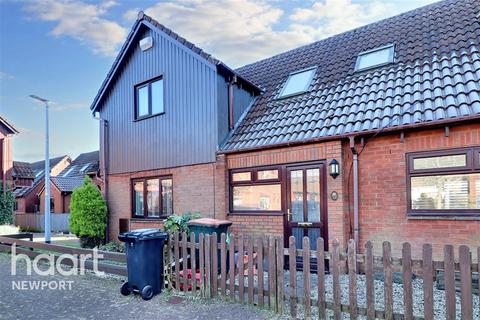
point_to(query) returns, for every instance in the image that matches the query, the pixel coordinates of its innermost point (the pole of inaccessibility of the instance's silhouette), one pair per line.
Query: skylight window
(297, 82)
(38, 173)
(375, 58)
(68, 172)
(84, 168)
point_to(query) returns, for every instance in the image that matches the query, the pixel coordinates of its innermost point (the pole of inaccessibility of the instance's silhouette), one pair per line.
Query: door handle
(305, 224)
(289, 215)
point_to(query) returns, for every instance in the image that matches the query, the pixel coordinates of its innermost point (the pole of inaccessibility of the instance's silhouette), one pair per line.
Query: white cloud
(243, 31)
(6, 76)
(82, 21)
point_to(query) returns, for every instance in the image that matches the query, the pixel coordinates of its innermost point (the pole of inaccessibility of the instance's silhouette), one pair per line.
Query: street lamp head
(38, 98)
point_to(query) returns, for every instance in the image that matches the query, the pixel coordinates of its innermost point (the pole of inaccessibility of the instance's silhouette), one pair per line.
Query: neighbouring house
(28, 180)
(61, 189)
(86, 164)
(372, 134)
(7, 130)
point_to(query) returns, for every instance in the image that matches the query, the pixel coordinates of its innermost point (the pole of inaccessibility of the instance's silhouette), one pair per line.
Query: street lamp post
(47, 172)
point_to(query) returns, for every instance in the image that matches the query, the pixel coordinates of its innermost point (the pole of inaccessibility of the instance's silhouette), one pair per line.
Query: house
(7, 130)
(86, 164)
(28, 180)
(372, 134)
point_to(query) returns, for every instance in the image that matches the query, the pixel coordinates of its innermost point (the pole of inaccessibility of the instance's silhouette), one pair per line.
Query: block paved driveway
(93, 297)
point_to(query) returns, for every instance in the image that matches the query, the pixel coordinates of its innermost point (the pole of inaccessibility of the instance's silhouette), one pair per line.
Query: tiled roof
(22, 170)
(10, 129)
(40, 165)
(21, 191)
(67, 184)
(85, 163)
(435, 77)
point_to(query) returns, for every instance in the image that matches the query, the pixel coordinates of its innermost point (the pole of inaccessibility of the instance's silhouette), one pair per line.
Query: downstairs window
(152, 197)
(444, 182)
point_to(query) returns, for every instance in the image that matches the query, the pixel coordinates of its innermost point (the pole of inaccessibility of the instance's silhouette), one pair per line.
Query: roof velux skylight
(375, 58)
(85, 167)
(297, 82)
(67, 172)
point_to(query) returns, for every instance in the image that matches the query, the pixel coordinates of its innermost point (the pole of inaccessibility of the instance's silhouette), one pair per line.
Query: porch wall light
(334, 168)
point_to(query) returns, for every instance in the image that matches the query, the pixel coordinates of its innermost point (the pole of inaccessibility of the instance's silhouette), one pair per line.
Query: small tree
(7, 201)
(88, 214)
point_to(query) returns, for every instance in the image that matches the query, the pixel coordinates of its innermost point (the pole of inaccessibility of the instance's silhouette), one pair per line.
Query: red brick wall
(193, 190)
(383, 203)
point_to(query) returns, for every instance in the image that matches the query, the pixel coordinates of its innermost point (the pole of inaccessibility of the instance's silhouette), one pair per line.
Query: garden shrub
(7, 201)
(113, 247)
(176, 223)
(88, 214)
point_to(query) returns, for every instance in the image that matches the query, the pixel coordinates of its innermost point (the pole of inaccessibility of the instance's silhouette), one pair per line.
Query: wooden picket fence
(258, 275)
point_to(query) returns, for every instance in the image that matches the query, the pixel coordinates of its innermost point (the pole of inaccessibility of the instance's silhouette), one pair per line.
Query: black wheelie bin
(144, 250)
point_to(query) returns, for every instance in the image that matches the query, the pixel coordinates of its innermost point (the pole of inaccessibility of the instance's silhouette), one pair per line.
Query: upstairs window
(375, 58)
(297, 82)
(149, 98)
(444, 182)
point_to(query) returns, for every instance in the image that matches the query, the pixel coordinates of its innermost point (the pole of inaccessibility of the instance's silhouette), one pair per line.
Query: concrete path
(92, 297)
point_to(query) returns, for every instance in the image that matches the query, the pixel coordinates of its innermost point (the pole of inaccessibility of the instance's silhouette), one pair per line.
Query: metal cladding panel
(186, 133)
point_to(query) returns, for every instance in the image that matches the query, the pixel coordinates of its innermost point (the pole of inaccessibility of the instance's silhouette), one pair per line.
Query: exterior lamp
(334, 168)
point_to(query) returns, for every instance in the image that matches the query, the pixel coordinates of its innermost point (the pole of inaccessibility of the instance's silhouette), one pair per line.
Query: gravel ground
(417, 286)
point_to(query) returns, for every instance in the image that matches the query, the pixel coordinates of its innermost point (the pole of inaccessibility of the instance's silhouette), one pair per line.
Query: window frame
(256, 182)
(391, 57)
(148, 84)
(280, 93)
(472, 166)
(145, 216)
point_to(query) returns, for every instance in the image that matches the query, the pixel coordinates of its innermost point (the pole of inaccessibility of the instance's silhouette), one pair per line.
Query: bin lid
(144, 234)
(209, 222)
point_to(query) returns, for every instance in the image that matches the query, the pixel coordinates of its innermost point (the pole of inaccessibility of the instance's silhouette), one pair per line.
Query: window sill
(255, 213)
(148, 117)
(147, 219)
(443, 217)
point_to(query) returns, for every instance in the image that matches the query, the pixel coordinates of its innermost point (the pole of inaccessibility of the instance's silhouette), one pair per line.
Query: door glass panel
(313, 235)
(313, 195)
(298, 234)
(296, 195)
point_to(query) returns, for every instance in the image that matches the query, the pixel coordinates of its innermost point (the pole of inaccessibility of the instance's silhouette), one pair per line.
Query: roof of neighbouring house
(19, 192)
(434, 79)
(7, 126)
(145, 20)
(40, 165)
(22, 170)
(84, 164)
(67, 184)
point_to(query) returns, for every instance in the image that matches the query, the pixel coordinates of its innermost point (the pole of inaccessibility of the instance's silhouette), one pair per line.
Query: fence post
(306, 277)
(241, 269)
(250, 269)
(427, 281)
(214, 256)
(260, 271)
(407, 280)
(388, 287)
(231, 256)
(320, 278)
(272, 287)
(168, 263)
(177, 261)
(201, 261)
(208, 266)
(280, 275)
(449, 278)
(337, 297)
(292, 269)
(352, 279)
(369, 280)
(466, 282)
(193, 263)
(223, 264)
(184, 262)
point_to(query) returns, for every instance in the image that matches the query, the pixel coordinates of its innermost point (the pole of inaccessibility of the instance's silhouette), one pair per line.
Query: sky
(62, 50)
